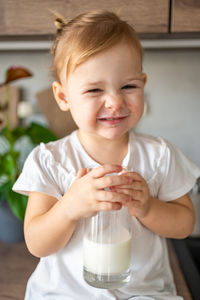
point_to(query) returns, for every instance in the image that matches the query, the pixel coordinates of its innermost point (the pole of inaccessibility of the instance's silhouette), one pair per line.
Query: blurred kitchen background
(170, 34)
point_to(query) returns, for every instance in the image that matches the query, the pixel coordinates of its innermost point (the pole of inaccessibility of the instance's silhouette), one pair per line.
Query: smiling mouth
(112, 120)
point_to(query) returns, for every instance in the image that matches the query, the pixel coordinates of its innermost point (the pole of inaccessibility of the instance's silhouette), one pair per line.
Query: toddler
(97, 59)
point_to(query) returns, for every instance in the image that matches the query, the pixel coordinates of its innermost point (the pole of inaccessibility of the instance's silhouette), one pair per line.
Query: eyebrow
(101, 82)
(138, 77)
(91, 83)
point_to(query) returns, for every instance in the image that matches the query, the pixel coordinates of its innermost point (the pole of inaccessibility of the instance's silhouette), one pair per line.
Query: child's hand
(87, 195)
(138, 190)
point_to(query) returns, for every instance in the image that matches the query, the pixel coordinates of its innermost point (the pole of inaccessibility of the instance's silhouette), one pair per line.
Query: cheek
(84, 112)
(141, 107)
(136, 105)
(75, 110)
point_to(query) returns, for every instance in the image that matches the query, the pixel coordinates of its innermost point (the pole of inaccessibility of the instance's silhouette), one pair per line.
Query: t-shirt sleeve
(39, 174)
(176, 172)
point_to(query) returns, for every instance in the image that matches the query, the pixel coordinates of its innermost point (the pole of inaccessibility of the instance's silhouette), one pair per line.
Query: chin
(114, 135)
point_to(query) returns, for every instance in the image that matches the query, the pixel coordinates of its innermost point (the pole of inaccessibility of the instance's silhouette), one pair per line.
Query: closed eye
(94, 91)
(129, 86)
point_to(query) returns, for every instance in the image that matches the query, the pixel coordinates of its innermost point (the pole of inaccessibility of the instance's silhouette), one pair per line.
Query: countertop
(17, 264)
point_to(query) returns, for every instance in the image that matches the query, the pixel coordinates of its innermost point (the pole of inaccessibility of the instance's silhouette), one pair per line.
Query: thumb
(81, 173)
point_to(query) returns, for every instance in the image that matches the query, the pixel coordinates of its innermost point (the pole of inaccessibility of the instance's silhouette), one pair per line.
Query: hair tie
(60, 21)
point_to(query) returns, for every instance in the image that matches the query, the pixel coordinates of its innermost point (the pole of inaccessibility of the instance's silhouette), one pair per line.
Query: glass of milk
(107, 249)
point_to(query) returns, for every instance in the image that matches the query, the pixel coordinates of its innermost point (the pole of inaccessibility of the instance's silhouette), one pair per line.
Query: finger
(112, 197)
(136, 185)
(105, 169)
(133, 204)
(133, 194)
(113, 180)
(109, 206)
(135, 176)
(81, 173)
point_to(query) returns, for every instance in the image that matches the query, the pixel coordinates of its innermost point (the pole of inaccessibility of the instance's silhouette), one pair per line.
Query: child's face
(105, 93)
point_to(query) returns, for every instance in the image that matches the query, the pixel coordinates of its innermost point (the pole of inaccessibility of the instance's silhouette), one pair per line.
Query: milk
(107, 249)
(108, 258)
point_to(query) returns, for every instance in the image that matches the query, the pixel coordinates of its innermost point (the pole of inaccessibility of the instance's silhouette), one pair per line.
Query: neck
(104, 151)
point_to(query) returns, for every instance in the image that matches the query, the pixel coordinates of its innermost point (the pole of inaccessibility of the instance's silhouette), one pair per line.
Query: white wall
(172, 92)
(173, 96)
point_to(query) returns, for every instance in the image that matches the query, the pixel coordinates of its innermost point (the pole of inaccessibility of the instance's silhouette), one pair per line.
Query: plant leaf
(15, 73)
(17, 203)
(39, 133)
(8, 164)
(4, 188)
(18, 132)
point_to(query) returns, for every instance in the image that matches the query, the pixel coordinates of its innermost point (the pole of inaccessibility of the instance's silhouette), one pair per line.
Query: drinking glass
(107, 249)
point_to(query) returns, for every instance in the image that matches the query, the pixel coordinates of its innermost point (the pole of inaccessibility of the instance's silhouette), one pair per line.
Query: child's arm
(50, 223)
(173, 219)
(46, 227)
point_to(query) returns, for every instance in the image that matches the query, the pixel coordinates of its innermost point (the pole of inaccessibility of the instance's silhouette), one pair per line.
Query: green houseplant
(15, 145)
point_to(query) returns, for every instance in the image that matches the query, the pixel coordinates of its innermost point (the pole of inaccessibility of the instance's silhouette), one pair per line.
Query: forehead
(120, 58)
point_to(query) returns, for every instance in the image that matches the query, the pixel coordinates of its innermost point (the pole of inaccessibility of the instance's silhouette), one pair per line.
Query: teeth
(111, 119)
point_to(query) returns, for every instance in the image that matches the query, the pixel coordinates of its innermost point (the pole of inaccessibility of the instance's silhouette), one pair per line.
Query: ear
(60, 96)
(144, 78)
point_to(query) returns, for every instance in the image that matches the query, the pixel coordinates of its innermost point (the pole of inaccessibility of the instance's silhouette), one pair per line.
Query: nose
(114, 101)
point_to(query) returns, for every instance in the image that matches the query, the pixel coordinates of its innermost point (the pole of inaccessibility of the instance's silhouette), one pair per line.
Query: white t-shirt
(51, 169)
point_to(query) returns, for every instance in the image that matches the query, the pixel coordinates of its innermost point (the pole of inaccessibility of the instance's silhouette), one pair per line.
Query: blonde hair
(86, 35)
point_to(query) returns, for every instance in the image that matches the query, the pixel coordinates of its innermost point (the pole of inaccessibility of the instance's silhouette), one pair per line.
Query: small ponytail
(60, 22)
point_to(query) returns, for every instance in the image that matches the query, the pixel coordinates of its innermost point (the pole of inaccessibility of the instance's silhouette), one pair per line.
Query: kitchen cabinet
(185, 16)
(33, 18)
(161, 19)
